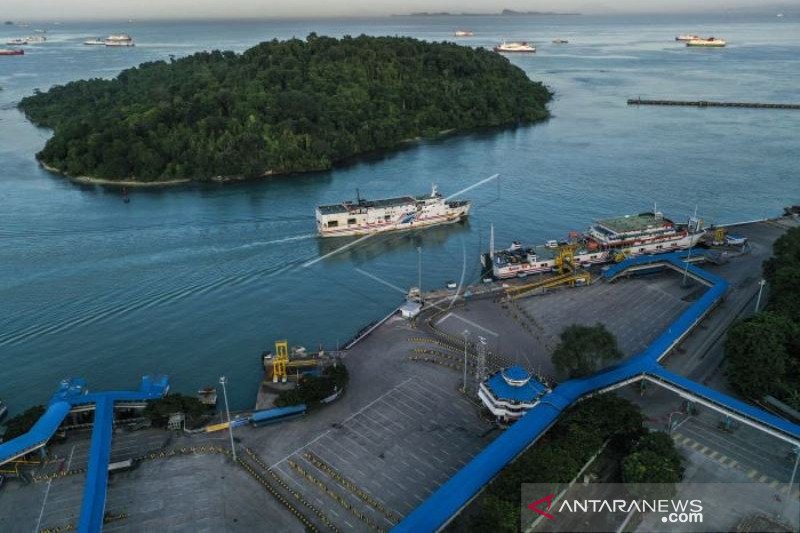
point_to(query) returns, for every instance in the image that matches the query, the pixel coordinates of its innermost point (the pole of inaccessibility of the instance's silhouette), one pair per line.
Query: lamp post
(466, 336)
(419, 272)
(760, 290)
(223, 381)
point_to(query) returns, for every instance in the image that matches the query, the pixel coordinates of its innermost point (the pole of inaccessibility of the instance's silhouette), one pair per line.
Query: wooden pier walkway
(706, 103)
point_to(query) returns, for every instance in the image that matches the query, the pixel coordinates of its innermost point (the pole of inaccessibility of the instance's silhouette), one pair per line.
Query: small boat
(711, 42)
(452, 285)
(95, 42)
(687, 37)
(36, 39)
(463, 33)
(207, 396)
(8, 52)
(560, 41)
(17, 42)
(517, 47)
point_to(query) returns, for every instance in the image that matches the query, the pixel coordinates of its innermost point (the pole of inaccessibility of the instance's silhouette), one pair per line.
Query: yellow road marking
(763, 479)
(774, 483)
(733, 463)
(695, 445)
(714, 454)
(752, 473)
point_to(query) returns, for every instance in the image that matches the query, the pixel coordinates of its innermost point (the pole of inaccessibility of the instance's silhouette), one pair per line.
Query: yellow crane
(280, 361)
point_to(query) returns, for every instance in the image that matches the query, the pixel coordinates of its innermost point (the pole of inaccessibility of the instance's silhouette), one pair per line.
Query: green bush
(584, 350)
(159, 411)
(311, 390)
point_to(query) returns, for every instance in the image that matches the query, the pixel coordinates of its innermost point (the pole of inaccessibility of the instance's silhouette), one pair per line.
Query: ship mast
(491, 242)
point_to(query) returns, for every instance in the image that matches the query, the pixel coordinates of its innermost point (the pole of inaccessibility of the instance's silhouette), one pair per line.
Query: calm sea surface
(197, 281)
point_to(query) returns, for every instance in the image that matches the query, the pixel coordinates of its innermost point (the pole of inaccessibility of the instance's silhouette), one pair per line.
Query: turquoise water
(196, 281)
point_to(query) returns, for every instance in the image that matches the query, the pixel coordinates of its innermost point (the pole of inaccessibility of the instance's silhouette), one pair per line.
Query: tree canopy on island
(279, 107)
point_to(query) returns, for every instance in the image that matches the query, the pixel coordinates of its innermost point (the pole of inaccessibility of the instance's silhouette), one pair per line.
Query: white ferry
(687, 37)
(711, 42)
(523, 47)
(645, 233)
(122, 39)
(463, 33)
(364, 217)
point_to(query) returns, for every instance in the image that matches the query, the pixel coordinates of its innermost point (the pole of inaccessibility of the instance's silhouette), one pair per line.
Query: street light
(466, 336)
(760, 290)
(223, 381)
(669, 422)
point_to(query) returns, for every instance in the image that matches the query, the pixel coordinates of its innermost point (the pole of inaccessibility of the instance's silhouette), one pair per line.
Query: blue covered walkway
(73, 393)
(457, 492)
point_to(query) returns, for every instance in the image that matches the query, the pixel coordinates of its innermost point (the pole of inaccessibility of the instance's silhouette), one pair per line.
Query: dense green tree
(557, 457)
(585, 349)
(782, 271)
(23, 422)
(159, 411)
(279, 107)
(761, 354)
(654, 467)
(311, 390)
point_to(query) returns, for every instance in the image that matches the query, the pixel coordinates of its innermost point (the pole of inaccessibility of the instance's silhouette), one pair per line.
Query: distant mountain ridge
(505, 12)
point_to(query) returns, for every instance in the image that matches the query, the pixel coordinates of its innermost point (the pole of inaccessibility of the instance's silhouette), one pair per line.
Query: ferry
(36, 39)
(520, 47)
(95, 42)
(687, 37)
(17, 42)
(605, 241)
(712, 42)
(364, 217)
(7, 52)
(122, 39)
(560, 41)
(463, 33)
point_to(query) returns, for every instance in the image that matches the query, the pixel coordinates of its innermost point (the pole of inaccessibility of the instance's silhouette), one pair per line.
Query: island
(281, 107)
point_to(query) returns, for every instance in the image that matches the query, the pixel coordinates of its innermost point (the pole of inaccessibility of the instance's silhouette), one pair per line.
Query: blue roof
(516, 373)
(503, 391)
(456, 492)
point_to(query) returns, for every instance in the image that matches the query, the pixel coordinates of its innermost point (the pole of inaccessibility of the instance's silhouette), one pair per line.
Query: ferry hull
(450, 218)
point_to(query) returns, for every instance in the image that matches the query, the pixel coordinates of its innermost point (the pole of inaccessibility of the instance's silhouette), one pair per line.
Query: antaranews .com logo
(696, 507)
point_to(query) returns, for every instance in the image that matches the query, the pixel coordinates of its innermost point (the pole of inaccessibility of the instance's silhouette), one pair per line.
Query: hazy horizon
(63, 10)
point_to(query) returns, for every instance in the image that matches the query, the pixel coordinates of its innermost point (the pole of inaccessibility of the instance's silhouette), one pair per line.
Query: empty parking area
(397, 451)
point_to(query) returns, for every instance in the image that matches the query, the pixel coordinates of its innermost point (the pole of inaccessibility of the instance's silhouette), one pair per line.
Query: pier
(710, 103)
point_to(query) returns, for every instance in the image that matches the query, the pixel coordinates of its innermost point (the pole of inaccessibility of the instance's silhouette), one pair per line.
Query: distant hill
(279, 107)
(505, 12)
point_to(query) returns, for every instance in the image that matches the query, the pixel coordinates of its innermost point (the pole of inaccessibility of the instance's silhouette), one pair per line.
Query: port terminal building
(509, 393)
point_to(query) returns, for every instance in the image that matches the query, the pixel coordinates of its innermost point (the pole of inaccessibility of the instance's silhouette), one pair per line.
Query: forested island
(280, 107)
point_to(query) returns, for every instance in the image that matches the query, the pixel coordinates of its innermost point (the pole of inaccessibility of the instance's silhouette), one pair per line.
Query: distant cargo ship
(510, 48)
(463, 33)
(712, 42)
(605, 241)
(364, 217)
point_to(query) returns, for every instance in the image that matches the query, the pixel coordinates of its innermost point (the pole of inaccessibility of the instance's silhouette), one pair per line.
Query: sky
(55, 10)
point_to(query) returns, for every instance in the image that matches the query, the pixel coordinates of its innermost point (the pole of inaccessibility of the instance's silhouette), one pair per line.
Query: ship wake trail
(111, 310)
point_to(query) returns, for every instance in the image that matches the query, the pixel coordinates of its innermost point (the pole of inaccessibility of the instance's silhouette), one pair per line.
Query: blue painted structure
(70, 394)
(278, 414)
(526, 391)
(457, 492)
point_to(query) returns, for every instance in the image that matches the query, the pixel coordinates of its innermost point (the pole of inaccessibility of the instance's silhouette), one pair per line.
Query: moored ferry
(520, 47)
(364, 217)
(605, 241)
